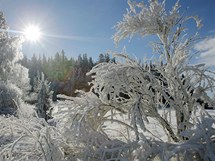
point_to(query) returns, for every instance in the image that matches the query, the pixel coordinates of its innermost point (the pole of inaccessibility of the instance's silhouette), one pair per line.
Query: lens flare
(32, 33)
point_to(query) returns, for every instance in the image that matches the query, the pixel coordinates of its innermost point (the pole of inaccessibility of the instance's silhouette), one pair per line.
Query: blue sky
(86, 26)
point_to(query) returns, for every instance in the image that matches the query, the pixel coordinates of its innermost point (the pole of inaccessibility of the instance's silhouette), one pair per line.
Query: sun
(32, 33)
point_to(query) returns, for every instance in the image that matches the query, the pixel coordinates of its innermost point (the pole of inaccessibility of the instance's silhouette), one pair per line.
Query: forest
(114, 108)
(65, 75)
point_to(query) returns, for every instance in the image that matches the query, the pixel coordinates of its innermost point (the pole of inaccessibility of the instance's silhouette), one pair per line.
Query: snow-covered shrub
(179, 83)
(81, 122)
(146, 111)
(9, 97)
(29, 139)
(98, 131)
(129, 87)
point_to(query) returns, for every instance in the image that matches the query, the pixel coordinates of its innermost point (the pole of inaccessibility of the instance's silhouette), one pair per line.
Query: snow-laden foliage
(133, 111)
(29, 139)
(9, 97)
(18, 72)
(99, 131)
(13, 77)
(200, 145)
(10, 53)
(130, 87)
(151, 19)
(41, 97)
(114, 120)
(181, 85)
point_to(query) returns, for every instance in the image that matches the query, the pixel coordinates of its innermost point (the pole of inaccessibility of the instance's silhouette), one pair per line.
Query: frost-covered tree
(43, 108)
(10, 50)
(181, 84)
(10, 69)
(115, 120)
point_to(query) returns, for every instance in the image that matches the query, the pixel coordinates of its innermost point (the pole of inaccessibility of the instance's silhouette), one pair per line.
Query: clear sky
(86, 26)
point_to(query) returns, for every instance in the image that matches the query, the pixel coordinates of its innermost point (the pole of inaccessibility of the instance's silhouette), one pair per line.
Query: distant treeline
(64, 74)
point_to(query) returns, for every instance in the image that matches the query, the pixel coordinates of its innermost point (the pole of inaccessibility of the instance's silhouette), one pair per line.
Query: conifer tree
(10, 69)
(43, 108)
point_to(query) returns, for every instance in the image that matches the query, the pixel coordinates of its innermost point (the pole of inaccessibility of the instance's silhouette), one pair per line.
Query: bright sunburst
(32, 33)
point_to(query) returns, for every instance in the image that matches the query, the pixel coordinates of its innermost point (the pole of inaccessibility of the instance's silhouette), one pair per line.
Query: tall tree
(13, 76)
(101, 58)
(43, 108)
